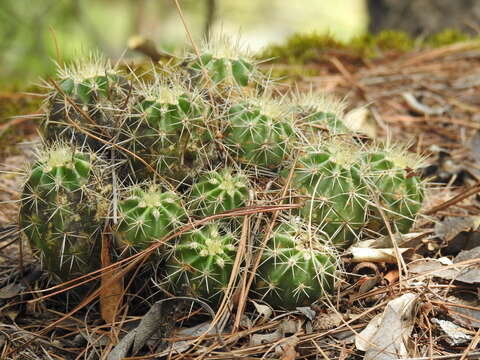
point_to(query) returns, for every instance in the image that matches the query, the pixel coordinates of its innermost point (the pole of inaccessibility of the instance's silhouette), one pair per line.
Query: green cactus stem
(200, 263)
(218, 191)
(63, 210)
(297, 267)
(146, 216)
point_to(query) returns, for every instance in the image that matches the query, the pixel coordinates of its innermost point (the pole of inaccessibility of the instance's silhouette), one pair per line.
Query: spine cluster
(147, 155)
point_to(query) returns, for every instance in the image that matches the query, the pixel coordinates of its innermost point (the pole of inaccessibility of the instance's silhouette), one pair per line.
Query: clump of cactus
(200, 262)
(193, 150)
(297, 267)
(63, 210)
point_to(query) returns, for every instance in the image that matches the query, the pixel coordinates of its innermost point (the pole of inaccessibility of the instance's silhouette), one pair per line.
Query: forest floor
(414, 295)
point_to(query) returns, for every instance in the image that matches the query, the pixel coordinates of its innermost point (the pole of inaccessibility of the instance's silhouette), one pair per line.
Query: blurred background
(31, 30)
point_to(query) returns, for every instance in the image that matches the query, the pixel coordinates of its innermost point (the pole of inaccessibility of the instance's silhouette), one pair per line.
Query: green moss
(305, 48)
(447, 37)
(301, 48)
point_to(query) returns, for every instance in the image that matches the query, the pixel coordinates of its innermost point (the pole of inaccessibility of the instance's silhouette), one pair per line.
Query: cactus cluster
(193, 139)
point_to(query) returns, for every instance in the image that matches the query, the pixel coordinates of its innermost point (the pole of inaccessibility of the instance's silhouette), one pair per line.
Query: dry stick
(402, 266)
(456, 199)
(143, 255)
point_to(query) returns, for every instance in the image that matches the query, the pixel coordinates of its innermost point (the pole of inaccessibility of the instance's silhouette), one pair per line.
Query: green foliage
(297, 267)
(447, 37)
(201, 262)
(62, 211)
(311, 47)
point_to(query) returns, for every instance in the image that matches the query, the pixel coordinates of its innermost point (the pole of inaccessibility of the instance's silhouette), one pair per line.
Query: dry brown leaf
(289, 352)
(451, 226)
(111, 294)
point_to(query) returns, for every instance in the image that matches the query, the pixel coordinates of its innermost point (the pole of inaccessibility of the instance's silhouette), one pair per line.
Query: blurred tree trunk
(423, 17)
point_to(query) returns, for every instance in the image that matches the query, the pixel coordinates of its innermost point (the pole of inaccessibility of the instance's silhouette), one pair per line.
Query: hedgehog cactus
(400, 191)
(225, 62)
(168, 129)
(316, 115)
(200, 263)
(62, 209)
(183, 124)
(260, 132)
(219, 191)
(328, 176)
(297, 267)
(146, 216)
(92, 95)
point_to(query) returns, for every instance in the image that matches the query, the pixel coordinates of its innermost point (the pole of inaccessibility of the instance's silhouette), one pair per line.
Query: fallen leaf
(359, 120)
(467, 313)
(435, 268)
(451, 226)
(386, 336)
(456, 335)
(286, 350)
(111, 292)
(375, 255)
(264, 311)
(307, 311)
(11, 290)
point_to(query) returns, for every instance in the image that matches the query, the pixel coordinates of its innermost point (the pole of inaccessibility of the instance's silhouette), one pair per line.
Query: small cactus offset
(392, 175)
(62, 210)
(90, 95)
(328, 176)
(168, 129)
(218, 191)
(260, 132)
(147, 215)
(225, 62)
(297, 267)
(201, 261)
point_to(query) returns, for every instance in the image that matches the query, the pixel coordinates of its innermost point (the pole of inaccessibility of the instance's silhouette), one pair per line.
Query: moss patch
(306, 48)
